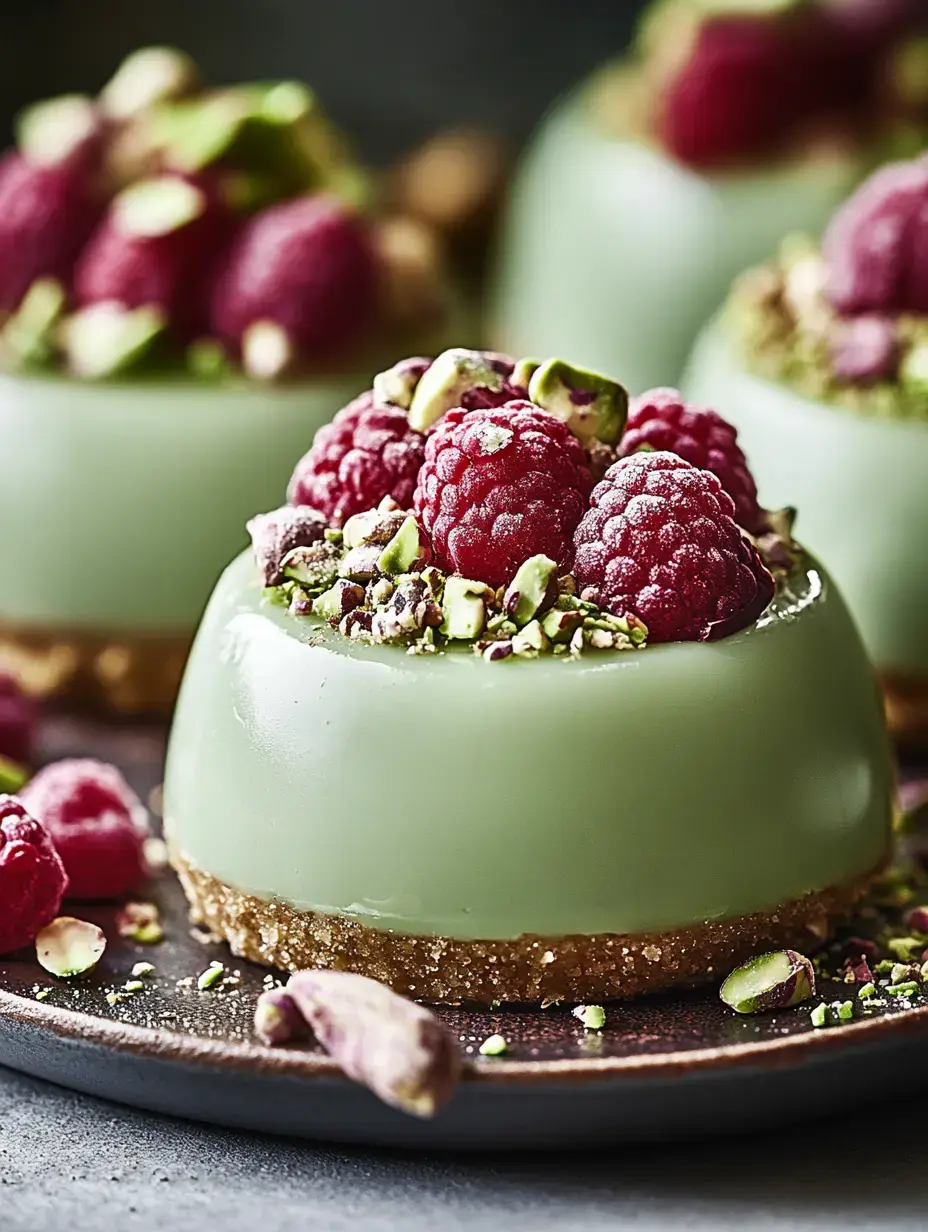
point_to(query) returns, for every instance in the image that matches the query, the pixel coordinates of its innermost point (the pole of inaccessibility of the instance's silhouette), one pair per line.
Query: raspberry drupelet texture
(46, 216)
(661, 420)
(18, 718)
(308, 266)
(97, 823)
(367, 452)
(660, 541)
(498, 486)
(32, 876)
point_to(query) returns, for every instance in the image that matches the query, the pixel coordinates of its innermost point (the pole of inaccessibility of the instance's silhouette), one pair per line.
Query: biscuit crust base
(906, 701)
(527, 970)
(117, 675)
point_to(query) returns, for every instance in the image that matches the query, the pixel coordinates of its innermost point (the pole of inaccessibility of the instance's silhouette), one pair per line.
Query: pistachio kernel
(494, 1046)
(593, 407)
(148, 76)
(68, 947)
(30, 331)
(593, 1017)
(523, 372)
(49, 132)
(106, 339)
(209, 978)
(404, 550)
(533, 587)
(464, 608)
(398, 384)
(442, 386)
(159, 206)
(770, 981)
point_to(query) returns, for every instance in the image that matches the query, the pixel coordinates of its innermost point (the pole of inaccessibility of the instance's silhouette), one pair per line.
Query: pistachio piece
(398, 384)
(360, 563)
(12, 776)
(446, 380)
(404, 550)
(376, 526)
(315, 566)
(158, 206)
(106, 339)
(523, 372)
(913, 372)
(277, 1019)
(68, 947)
(142, 970)
(275, 534)
(30, 331)
(49, 132)
(268, 352)
(593, 407)
(148, 76)
(398, 1049)
(494, 1046)
(819, 1017)
(770, 981)
(531, 640)
(337, 602)
(593, 1017)
(464, 608)
(560, 625)
(495, 652)
(533, 587)
(140, 922)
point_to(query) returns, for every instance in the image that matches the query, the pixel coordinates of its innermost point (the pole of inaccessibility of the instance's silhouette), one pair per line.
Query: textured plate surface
(663, 1068)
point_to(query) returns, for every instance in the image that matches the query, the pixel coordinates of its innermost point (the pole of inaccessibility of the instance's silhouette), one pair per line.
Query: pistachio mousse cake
(191, 282)
(726, 126)
(517, 701)
(821, 360)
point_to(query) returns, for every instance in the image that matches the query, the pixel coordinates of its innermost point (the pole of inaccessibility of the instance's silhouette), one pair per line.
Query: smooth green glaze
(445, 795)
(615, 256)
(120, 504)
(859, 483)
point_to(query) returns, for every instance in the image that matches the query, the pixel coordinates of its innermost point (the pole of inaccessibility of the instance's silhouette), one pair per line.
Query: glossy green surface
(614, 256)
(860, 485)
(618, 792)
(120, 504)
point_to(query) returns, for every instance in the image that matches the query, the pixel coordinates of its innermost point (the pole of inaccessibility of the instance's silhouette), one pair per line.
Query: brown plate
(666, 1067)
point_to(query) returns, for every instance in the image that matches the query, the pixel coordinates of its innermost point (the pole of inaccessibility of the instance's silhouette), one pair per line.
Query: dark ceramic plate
(664, 1068)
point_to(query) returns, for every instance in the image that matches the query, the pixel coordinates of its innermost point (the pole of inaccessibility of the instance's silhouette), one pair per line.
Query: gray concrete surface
(72, 1164)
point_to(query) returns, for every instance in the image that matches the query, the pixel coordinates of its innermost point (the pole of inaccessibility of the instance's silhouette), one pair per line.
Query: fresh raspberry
(876, 247)
(168, 268)
(32, 877)
(308, 266)
(19, 716)
(499, 486)
(660, 541)
(46, 215)
(661, 420)
(97, 823)
(367, 452)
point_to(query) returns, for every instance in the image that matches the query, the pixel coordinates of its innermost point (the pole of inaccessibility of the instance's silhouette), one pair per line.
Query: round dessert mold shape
(616, 255)
(444, 795)
(124, 501)
(859, 484)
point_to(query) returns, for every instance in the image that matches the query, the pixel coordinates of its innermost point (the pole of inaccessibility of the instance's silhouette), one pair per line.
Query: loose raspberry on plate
(18, 718)
(498, 486)
(32, 876)
(97, 823)
(660, 541)
(367, 452)
(307, 267)
(46, 215)
(661, 420)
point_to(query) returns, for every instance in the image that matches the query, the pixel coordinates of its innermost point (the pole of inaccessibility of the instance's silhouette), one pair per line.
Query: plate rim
(176, 1047)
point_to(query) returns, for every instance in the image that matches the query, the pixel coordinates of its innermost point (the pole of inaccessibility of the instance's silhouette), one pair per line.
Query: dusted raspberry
(660, 542)
(367, 452)
(499, 486)
(661, 420)
(876, 247)
(46, 215)
(275, 534)
(308, 266)
(157, 247)
(32, 877)
(736, 95)
(97, 823)
(18, 718)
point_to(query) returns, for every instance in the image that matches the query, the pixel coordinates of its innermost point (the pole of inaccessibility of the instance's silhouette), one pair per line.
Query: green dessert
(819, 360)
(648, 190)
(477, 725)
(192, 280)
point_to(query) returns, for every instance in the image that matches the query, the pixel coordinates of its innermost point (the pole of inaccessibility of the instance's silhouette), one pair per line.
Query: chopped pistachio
(158, 206)
(560, 625)
(906, 948)
(594, 407)
(12, 776)
(533, 583)
(845, 1010)
(442, 386)
(884, 966)
(68, 947)
(107, 339)
(904, 989)
(403, 550)
(493, 1046)
(133, 986)
(770, 981)
(523, 372)
(819, 1016)
(142, 969)
(464, 608)
(30, 331)
(148, 76)
(211, 976)
(593, 1017)
(398, 384)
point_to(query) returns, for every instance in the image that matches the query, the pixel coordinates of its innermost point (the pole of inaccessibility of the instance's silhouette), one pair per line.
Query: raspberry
(661, 420)
(46, 215)
(876, 247)
(97, 823)
(367, 452)
(308, 266)
(32, 877)
(660, 541)
(18, 718)
(140, 258)
(499, 486)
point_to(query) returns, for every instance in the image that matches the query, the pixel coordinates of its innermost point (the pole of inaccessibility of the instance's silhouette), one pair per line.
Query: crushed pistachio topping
(785, 330)
(593, 1017)
(494, 1046)
(372, 582)
(213, 975)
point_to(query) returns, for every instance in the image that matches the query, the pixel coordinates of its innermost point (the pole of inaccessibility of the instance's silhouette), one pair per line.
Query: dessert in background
(523, 697)
(726, 126)
(192, 280)
(821, 360)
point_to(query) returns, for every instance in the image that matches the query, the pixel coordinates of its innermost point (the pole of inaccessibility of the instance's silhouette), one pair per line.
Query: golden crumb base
(527, 970)
(906, 699)
(126, 676)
